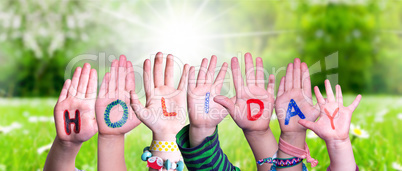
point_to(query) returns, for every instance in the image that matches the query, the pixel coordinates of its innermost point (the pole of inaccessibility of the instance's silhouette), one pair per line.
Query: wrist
(67, 144)
(296, 139)
(255, 134)
(163, 136)
(198, 134)
(338, 144)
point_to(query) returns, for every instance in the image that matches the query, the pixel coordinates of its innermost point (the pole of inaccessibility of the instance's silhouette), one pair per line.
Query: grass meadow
(380, 116)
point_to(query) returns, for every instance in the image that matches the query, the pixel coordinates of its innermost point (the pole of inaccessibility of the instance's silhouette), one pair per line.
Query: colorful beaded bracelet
(157, 163)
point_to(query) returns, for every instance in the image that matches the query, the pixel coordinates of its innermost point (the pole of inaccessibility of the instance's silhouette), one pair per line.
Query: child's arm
(199, 142)
(165, 110)
(76, 104)
(293, 103)
(333, 127)
(250, 100)
(114, 115)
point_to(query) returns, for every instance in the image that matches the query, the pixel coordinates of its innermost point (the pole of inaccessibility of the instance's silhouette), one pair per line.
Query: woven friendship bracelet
(288, 162)
(166, 146)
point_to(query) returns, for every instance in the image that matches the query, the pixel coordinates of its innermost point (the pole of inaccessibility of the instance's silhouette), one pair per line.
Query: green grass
(19, 147)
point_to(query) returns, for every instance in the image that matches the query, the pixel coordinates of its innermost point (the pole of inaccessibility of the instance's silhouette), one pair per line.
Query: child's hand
(333, 127)
(295, 85)
(116, 85)
(254, 90)
(77, 96)
(165, 111)
(334, 121)
(74, 116)
(205, 113)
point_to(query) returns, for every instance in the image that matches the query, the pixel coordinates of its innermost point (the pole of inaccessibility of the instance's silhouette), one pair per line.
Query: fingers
(83, 81)
(225, 102)
(320, 99)
(250, 75)
(271, 85)
(130, 77)
(296, 74)
(211, 70)
(328, 89)
(202, 72)
(72, 91)
(104, 86)
(219, 79)
(147, 78)
(158, 70)
(169, 71)
(289, 77)
(92, 85)
(307, 124)
(191, 78)
(138, 108)
(237, 78)
(305, 80)
(259, 78)
(113, 78)
(339, 97)
(64, 90)
(122, 72)
(184, 78)
(355, 103)
(281, 88)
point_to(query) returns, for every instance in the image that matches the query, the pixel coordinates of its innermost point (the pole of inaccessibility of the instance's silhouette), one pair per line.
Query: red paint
(164, 109)
(332, 117)
(258, 115)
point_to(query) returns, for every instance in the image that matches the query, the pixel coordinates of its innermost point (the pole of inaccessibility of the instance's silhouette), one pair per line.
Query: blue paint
(289, 113)
(206, 105)
(122, 121)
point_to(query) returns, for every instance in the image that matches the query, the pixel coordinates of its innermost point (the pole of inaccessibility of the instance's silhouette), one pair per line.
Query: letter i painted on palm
(206, 105)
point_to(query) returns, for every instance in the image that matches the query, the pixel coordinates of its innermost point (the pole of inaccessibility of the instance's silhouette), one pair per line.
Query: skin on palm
(78, 94)
(295, 85)
(175, 99)
(197, 90)
(341, 120)
(116, 85)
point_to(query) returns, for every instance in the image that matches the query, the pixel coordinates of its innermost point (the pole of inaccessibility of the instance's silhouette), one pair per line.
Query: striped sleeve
(204, 157)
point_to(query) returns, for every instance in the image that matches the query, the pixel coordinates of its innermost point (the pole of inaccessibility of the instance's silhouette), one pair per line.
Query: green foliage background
(39, 38)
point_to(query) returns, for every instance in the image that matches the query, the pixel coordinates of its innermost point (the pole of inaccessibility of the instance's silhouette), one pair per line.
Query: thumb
(307, 124)
(225, 102)
(136, 105)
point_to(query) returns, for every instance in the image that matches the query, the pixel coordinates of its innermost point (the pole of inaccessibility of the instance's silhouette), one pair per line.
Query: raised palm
(255, 89)
(162, 120)
(295, 85)
(203, 110)
(79, 96)
(115, 87)
(335, 119)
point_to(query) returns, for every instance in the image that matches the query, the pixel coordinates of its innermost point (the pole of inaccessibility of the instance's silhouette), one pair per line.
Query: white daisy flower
(399, 116)
(358, 132)
(7, 129)
(44, 148)
(396, 166)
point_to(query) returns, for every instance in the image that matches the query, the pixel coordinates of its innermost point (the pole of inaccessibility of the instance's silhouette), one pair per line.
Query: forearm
(198, 134)
(263, 145)
(297, 139)
(111, 152)
(341, 155)
(62, 155)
